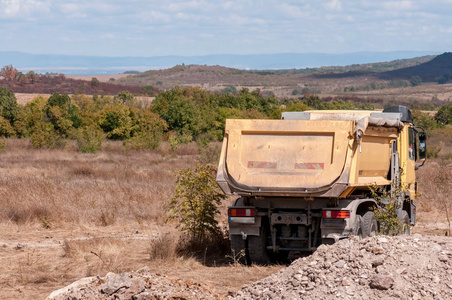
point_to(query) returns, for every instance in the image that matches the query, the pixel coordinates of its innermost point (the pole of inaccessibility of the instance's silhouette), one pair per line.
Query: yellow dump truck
(305, 180)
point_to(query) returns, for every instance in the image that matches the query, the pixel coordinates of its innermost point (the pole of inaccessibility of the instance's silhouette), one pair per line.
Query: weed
(45, 222)
(164, 247)
(237, 257)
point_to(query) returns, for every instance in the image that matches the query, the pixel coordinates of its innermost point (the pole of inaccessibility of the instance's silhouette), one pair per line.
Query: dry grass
(67, 215)
(60, 186)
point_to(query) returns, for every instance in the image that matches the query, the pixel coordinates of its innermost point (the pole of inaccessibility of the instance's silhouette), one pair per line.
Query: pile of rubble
(139, 285)
(400, 267)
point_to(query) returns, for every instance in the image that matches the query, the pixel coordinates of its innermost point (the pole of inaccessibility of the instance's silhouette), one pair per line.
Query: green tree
(180, 111)
(31, 76)
(195, 203)
(424, 120)
(315, 102)
(62, 113)
(444, 114)
(95, 82)
(149, 90)
(8, 104)
(117, 121)
(6, 130)
(126, 97)
(29, 115)
(415, 81)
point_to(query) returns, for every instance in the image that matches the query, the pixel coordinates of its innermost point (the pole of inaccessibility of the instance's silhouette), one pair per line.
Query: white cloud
(108, 36)
(293, 11)
(334, 5)
(397, 5)
(22, 8)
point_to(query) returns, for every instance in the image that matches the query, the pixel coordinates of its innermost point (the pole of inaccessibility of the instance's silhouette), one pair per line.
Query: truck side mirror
(422, 146)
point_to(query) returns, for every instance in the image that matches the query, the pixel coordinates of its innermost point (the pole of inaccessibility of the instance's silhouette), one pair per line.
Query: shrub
(149, 131)
(175, 139)
(88, 138)
(444, 114)
(195, 203)
(386, 210)
(434, 149)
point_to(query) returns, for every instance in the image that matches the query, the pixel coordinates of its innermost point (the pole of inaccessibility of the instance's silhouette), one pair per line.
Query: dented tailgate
(283, 155)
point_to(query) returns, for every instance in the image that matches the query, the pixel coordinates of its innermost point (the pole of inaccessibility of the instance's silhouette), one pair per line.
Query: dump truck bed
(302, 157)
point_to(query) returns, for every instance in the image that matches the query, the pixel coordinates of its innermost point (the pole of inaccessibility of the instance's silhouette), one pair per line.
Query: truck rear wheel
(369, 224)
(406, 226)
(238, 249)
(257, 248)
(358, 228)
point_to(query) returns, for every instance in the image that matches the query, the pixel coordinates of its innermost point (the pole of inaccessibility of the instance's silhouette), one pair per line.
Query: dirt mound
(401, 267)
(139, 285)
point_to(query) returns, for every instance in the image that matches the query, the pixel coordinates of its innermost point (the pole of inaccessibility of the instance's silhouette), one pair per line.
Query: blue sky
(202, 27)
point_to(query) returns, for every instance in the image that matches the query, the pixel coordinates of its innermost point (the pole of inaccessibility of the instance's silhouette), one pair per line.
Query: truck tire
(257, 248)
(238, 249)
(358, 227)
(406, 226)
(369, 224)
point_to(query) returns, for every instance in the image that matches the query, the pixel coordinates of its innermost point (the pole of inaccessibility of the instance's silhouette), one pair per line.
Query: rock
(381, 282)
(377, 250)
(59, 294)
(115, 282)
(340, 264)
(377, 262)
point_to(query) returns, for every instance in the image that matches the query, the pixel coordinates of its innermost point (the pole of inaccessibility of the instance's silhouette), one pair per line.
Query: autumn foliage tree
(9, 72)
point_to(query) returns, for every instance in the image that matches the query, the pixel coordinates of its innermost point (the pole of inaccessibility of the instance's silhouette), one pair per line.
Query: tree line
(179, 115)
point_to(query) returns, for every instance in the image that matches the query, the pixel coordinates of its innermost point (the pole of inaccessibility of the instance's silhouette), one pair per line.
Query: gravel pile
(400, 267)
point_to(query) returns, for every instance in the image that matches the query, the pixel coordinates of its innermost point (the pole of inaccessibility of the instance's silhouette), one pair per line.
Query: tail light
(241, 215)
(240, 212)
(336, 214)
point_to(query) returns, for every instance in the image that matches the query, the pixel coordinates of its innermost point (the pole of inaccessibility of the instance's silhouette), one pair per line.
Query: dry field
(67, 215)
(101, 78)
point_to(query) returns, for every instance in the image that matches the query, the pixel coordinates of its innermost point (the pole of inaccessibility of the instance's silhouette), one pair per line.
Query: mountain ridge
(92, 65)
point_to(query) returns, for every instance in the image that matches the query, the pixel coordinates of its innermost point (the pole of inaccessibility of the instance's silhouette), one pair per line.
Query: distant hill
(438, 69)
(96, 65)
(225, 76)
